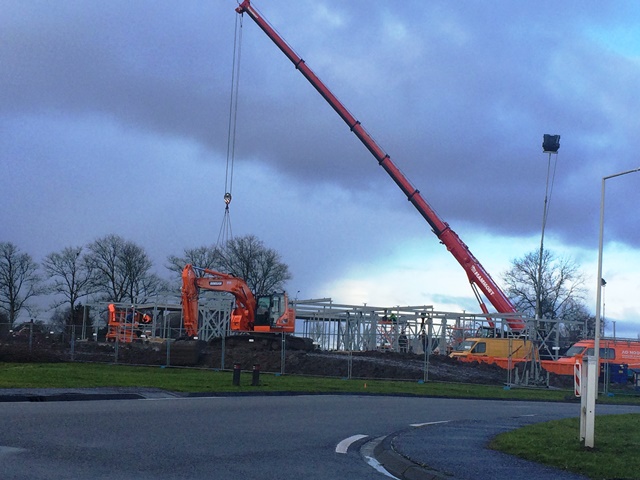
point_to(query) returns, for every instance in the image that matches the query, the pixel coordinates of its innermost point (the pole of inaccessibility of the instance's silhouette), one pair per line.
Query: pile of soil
(372, 364)
(366, 365)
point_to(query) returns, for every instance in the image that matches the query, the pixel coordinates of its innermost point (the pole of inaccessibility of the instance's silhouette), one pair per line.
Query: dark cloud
(119, 98)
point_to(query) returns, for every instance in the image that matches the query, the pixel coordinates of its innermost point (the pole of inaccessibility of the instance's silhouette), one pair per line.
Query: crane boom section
(476, 273)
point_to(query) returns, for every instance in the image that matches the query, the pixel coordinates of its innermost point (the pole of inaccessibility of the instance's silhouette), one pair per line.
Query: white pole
(589, 405)
(596, 342)
(587, 413)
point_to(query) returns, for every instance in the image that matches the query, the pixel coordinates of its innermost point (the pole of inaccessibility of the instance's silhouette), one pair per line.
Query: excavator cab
(263, 312)
(272, 314)
(269, 310)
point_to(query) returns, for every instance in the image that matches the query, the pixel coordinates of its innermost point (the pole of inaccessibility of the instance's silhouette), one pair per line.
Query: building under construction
(331, 326)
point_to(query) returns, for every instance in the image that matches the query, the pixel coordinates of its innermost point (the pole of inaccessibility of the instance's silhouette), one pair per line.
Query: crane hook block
(227, 198)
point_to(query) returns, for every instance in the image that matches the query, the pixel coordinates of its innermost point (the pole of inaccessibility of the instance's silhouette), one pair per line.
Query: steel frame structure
(345, 327)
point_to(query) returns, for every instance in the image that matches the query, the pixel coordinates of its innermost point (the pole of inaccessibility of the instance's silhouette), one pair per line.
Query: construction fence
(349, 341)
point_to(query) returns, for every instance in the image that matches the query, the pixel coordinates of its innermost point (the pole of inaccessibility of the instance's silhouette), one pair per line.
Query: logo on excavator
(217, 283)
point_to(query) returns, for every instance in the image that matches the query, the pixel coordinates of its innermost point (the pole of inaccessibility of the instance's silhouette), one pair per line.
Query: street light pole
(590, 385)
(596, 343)
(550, 144)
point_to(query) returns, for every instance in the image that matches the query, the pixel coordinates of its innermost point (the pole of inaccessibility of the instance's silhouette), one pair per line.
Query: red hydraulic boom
(478, 276)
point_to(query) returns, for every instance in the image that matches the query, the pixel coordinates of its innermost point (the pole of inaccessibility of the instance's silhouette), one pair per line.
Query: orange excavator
(262, 318)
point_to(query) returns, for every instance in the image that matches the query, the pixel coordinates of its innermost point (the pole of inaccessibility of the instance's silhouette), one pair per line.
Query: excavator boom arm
(477, 275)
(244, 311)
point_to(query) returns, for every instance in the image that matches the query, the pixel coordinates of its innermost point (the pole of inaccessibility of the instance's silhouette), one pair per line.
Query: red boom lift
(127, 325)
(479, 278)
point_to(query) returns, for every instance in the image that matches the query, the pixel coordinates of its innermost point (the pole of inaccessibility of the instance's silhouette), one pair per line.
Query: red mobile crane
(479, 278)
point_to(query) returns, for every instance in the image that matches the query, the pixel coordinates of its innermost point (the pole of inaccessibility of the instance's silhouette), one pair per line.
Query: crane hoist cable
(547, 200)
(549, 188)
(225, 233)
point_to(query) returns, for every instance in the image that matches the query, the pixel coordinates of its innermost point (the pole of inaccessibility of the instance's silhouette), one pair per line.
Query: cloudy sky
(114, 119)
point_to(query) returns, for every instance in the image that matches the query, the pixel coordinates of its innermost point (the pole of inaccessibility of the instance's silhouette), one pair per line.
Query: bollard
(236, 374)
(255, 380)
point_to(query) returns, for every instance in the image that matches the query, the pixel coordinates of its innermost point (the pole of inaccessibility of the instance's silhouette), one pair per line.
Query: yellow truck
(504, 352)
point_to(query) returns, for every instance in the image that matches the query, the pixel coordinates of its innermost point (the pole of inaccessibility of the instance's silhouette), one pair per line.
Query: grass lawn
(78, 375)
(617, 438)
(615, 455)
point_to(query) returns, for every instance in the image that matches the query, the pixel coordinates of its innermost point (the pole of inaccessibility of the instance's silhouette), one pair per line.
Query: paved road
(280, 437)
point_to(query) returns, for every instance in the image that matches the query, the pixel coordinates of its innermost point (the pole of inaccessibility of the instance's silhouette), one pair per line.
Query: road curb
(70, 397)
(402, 467)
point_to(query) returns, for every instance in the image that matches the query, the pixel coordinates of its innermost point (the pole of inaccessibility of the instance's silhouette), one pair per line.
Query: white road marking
(367, 452)
(375, 464)
(6, 450)
(344, 445)
(428, 423)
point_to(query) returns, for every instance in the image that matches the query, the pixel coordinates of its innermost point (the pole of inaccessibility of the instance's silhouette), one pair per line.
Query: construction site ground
(369, 365)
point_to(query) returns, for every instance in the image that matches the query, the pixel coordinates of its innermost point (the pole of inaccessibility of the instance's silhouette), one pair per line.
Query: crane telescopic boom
(477, 275)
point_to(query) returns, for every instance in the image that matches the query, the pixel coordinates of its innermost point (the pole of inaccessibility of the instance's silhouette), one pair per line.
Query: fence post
(236, 374)
(31, 336)
(283, 353)
(222, 350)
(73, 342)
(255, 379)
(426, 346)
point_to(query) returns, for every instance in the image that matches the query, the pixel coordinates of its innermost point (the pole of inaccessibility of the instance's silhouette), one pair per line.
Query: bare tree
(104, 258)
(19, 280)
(203, 257)
(579, 323)
(243, 257)
(4, 325)
(59, 320)
(262, 268)
(71, 276)
(121, 270)
(142, 283)
(559, 290)
(271, 273)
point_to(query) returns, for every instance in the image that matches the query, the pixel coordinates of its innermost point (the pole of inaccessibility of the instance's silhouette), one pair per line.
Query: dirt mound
(380, 365)
(365, 365)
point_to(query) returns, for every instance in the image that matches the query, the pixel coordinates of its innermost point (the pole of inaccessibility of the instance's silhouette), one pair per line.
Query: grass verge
(88, 375)
(554, 443)
(615, 456)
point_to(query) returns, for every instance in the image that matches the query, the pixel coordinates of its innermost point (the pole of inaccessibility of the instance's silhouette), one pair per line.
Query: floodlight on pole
(550, 144)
